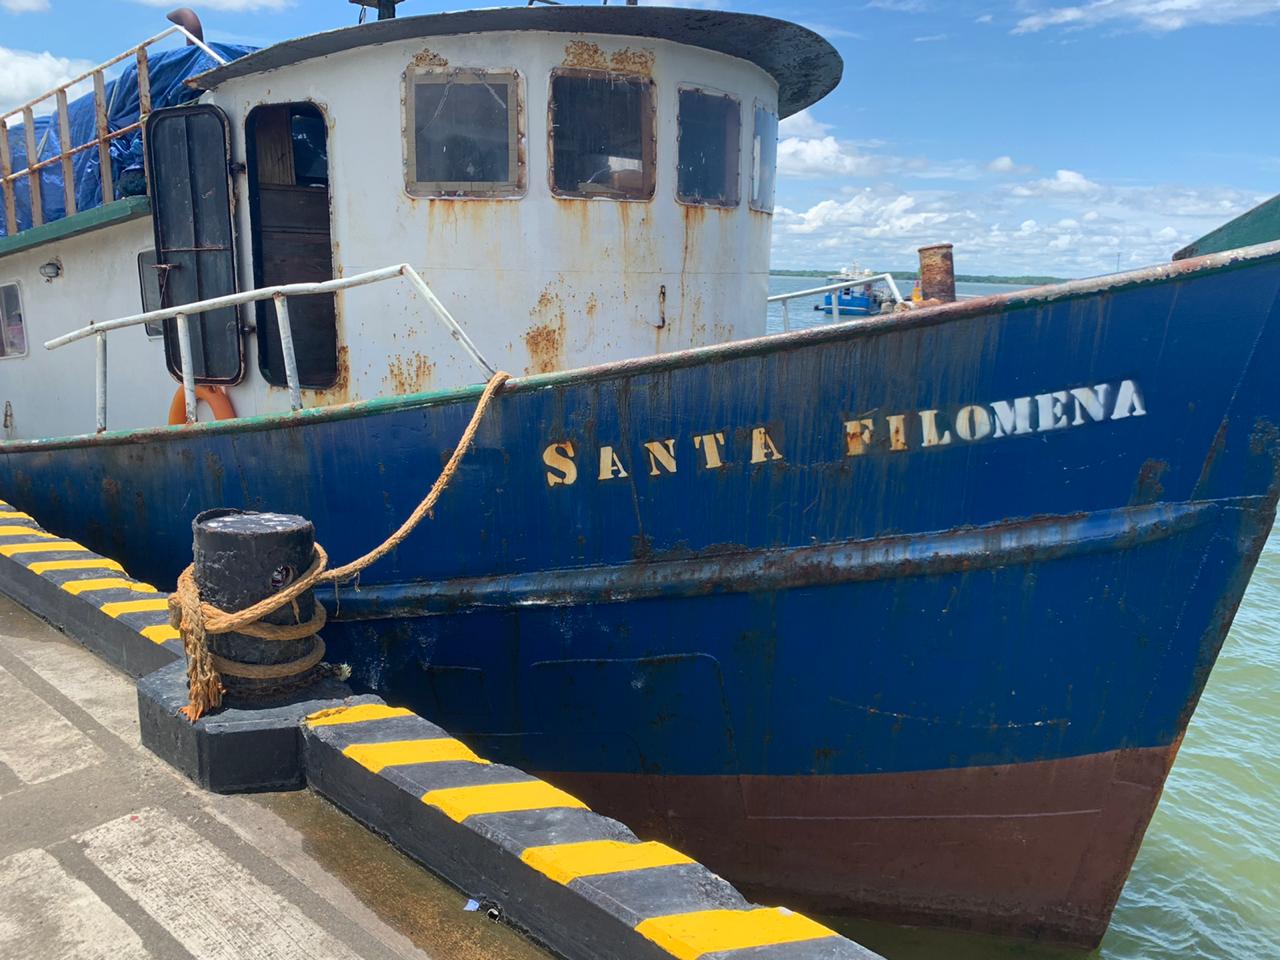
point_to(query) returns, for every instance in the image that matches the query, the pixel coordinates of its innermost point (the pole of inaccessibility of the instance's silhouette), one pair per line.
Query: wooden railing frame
(9, 178)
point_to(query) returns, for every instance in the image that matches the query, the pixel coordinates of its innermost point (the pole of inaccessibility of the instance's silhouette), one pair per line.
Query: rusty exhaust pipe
(189, 21)
(937, 273)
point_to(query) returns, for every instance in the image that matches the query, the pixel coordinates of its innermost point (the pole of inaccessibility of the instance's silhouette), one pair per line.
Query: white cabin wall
(53, 391)
(541, 282)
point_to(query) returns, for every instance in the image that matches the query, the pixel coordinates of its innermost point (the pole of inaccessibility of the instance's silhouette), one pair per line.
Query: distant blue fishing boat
(903, 616)
(858, 294)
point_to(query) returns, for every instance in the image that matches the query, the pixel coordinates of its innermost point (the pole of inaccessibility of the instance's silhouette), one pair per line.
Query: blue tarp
(168, 69)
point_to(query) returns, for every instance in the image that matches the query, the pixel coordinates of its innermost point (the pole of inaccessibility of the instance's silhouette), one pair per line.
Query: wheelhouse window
(602, 141)
(13, 327)
(764, 159)
(463, 136)
(710, 131)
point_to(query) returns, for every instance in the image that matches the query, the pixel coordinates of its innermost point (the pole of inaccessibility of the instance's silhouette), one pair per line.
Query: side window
(764, 159)
(152, 297)
(463, 134)
(710, 132)
(602, 140)
(13, 327)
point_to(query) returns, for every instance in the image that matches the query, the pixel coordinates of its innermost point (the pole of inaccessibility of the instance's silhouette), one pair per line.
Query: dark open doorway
(288, 160)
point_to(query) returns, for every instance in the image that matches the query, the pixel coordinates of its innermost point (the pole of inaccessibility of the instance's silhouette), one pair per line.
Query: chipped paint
(428, 58)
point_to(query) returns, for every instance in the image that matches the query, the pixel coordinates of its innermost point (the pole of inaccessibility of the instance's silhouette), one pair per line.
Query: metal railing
(786, 298)
(279, 294)
(9, 177)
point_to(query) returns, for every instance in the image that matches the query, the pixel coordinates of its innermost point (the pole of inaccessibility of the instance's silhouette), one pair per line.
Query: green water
(1207, 880)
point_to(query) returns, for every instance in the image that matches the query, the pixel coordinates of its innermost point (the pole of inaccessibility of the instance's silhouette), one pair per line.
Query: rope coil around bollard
(196, 619)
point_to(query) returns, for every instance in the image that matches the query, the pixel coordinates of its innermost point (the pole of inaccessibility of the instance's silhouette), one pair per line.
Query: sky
(1038, 136)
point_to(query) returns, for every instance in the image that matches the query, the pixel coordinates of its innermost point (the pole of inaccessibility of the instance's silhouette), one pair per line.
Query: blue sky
(1037, 135)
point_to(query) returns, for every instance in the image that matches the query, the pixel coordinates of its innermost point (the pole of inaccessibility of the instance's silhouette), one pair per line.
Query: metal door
(189, 154)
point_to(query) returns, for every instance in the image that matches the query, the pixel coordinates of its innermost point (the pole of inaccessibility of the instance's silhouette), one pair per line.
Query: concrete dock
(107, 852)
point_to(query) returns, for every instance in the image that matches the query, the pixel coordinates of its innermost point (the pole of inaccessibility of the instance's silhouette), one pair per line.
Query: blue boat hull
(904, 617)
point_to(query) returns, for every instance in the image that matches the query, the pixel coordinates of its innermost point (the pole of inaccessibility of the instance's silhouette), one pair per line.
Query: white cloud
(804, 125)
(25, 74)
(1080, 229)
(900, 6)
(1063, 182)
(25, 6)
(230, 6)
(985, 18)
(1158, 15)
(931, 38)
(1005, 164)
(816, 157)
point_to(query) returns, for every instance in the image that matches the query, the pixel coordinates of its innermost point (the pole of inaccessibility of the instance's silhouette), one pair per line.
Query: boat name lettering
(566, 460)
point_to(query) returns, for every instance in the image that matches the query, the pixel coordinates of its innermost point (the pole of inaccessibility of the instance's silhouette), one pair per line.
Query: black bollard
(242, 557)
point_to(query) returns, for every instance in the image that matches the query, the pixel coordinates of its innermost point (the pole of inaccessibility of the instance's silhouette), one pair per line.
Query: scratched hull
(972, 564)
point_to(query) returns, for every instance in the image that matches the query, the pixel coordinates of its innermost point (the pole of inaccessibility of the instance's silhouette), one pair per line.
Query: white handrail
(785, 298)
(278, 293)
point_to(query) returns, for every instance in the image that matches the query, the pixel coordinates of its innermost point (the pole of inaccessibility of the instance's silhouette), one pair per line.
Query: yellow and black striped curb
(86, 595)
(578, 882)
(583, 885)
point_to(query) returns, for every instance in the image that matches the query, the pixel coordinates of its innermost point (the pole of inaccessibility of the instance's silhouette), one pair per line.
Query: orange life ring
(216, 397)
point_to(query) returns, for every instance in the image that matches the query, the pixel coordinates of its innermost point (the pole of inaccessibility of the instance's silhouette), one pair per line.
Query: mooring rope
(196, 619)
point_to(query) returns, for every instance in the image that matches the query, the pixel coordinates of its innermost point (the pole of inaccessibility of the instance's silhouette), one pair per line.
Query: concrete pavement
(106, 852)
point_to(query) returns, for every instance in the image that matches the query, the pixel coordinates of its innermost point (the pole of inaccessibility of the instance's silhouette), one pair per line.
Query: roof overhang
(805, 66)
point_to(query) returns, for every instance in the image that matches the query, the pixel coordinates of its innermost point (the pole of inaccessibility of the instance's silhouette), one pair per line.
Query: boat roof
(805, 66)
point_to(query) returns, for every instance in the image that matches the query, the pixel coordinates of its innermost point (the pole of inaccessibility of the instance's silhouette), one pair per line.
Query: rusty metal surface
(805, 66)
(938, 273)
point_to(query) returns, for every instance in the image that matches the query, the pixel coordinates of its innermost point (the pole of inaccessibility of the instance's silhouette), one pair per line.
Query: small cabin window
(710, 132)
(602, 141)
(150, 282)
(463, 134)
(13, 326)
(764, 159)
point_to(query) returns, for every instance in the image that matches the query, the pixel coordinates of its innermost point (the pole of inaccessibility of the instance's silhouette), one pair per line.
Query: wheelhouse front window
(463, 136)
(602, 142)
(13, 326)
(710, 131)
(764, 160)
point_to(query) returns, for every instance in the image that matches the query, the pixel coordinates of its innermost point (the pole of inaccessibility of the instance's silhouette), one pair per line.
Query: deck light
(51, 270)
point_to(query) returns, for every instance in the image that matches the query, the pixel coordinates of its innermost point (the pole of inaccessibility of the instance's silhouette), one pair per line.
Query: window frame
(26, 327)
(515, 186)
(751, 192)
(648, 133)
(737, 171)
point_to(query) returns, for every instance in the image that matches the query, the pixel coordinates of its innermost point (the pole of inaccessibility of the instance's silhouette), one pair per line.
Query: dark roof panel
(805, 65)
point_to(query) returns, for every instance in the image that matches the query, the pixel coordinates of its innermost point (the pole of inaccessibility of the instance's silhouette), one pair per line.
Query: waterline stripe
(688, 936)
(459, 803)
(398, 753)
(565, 862)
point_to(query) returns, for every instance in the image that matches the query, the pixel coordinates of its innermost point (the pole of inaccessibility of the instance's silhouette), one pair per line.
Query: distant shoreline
(1029, 281)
